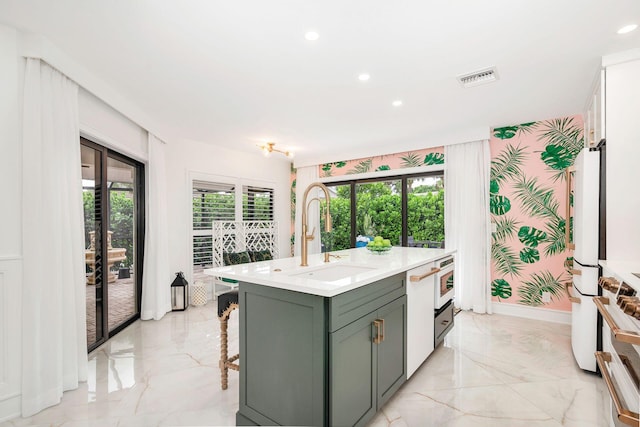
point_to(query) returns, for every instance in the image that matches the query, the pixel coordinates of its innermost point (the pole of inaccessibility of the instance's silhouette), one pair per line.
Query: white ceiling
(236, 73)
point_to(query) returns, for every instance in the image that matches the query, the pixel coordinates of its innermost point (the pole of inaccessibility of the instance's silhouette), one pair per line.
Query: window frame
(238, 184)
(403, 178)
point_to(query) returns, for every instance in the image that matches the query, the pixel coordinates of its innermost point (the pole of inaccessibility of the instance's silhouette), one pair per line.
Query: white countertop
(285, 273)
(624, 270)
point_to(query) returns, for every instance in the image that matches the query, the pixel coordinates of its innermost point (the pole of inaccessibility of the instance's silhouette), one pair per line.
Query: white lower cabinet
(420, 306)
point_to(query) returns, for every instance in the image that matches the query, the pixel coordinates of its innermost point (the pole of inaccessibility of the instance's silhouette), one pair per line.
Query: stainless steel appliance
(619, 360)
(589, 235)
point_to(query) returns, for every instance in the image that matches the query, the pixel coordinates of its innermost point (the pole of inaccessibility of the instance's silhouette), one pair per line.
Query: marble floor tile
(492, 370)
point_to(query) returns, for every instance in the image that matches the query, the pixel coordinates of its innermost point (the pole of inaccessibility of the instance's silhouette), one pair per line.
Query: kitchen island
(323, 344)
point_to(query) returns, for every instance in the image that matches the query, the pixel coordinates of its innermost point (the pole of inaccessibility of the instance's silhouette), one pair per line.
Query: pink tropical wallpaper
(528, 208)
(408, 159)
(527, 204)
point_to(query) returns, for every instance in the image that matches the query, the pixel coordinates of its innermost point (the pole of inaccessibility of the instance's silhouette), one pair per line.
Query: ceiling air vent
(481, 77)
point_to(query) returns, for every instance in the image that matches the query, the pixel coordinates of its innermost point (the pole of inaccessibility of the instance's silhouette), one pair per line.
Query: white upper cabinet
(594, 115)
(623, 160)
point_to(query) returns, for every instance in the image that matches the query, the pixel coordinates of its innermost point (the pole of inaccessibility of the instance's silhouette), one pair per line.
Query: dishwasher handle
(418, 278)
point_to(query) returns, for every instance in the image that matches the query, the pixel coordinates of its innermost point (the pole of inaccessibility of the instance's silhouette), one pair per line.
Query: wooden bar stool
(227, 302)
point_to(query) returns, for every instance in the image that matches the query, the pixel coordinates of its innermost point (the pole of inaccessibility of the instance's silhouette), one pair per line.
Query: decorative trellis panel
(238, 236)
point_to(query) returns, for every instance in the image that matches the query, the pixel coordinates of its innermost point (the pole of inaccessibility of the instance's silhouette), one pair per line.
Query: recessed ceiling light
(364, 77)
(396, 103)
(627, 29)
(311, 35)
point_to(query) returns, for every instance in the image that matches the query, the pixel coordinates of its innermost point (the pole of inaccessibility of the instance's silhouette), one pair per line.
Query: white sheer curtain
(467, 223)
(54, 343)
(156, 277)
(304, 177)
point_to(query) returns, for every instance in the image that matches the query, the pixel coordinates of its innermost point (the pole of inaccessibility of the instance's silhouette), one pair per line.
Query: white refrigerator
(588, 237)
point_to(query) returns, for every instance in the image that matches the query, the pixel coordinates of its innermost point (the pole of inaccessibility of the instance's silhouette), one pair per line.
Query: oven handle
(620, 335)
(433, 271)
(567, 231)
(624, 415)
(576, 300)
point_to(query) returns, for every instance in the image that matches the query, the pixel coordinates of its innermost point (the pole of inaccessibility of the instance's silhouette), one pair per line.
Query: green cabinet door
(352, 381)
(365, 374)
(392, 359)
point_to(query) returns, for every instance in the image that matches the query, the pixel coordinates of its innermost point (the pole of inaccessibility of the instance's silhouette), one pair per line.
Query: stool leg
(224, 355)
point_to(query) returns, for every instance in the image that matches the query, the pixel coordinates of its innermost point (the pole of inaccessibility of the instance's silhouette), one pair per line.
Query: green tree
(383, 204)
(121, 222)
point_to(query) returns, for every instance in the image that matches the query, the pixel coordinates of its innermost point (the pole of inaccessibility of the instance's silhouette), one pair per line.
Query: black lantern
(179, 293)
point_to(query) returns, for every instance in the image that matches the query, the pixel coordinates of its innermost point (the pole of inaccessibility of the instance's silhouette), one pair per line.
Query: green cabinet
(367, 364)
(312, 360)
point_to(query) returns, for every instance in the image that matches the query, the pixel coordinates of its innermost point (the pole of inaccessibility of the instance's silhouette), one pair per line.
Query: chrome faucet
(305, 226)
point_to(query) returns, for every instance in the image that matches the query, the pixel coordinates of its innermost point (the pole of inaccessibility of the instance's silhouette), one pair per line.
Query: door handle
(433, 271)
(379, 325)
(624, 415)
(577, 300)
(619, 334)
(567, 222)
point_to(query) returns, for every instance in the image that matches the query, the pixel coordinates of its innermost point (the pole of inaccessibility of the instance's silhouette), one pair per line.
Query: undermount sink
(333, 272)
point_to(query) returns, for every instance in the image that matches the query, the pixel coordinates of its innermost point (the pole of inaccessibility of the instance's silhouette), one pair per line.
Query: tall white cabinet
(622, 111)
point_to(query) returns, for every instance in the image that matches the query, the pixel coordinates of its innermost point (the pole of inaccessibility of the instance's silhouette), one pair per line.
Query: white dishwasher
(420, 306)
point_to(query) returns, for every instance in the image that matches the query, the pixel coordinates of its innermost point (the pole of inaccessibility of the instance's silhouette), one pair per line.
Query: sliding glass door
(113, 193)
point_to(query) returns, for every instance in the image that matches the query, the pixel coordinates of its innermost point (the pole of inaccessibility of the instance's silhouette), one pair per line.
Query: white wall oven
(445, 283)
(443, 301)
(619, 360)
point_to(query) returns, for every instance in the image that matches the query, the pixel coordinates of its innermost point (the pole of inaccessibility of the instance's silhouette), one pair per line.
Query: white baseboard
(536, 313)
(9, 408)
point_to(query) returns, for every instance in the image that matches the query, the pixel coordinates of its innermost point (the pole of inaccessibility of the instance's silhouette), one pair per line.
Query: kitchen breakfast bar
(325, 344)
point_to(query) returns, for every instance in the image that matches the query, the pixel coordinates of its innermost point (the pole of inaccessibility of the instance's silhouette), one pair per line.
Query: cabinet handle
(433, 271)
(379, 325)
(620, 335)
(567, 222)
(577, 300)
(624, 415)
(444, 322)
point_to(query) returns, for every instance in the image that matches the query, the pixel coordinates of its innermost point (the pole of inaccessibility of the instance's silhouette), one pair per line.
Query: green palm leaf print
(536, 200)
(499, 205)
(563, 140)
(293, 199)
(508, 132)
(505, 132)
(555, 237)
(563, 132)
(506, 165)
(557, 157)
(531, 290)
(411, 160)
(494, 187)
(434, 159)
(531, 236)
(529, 255)
(362, 167)
(501, 288)
(340, 164)
(505, 259)
(505, 228)
(383, 168)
